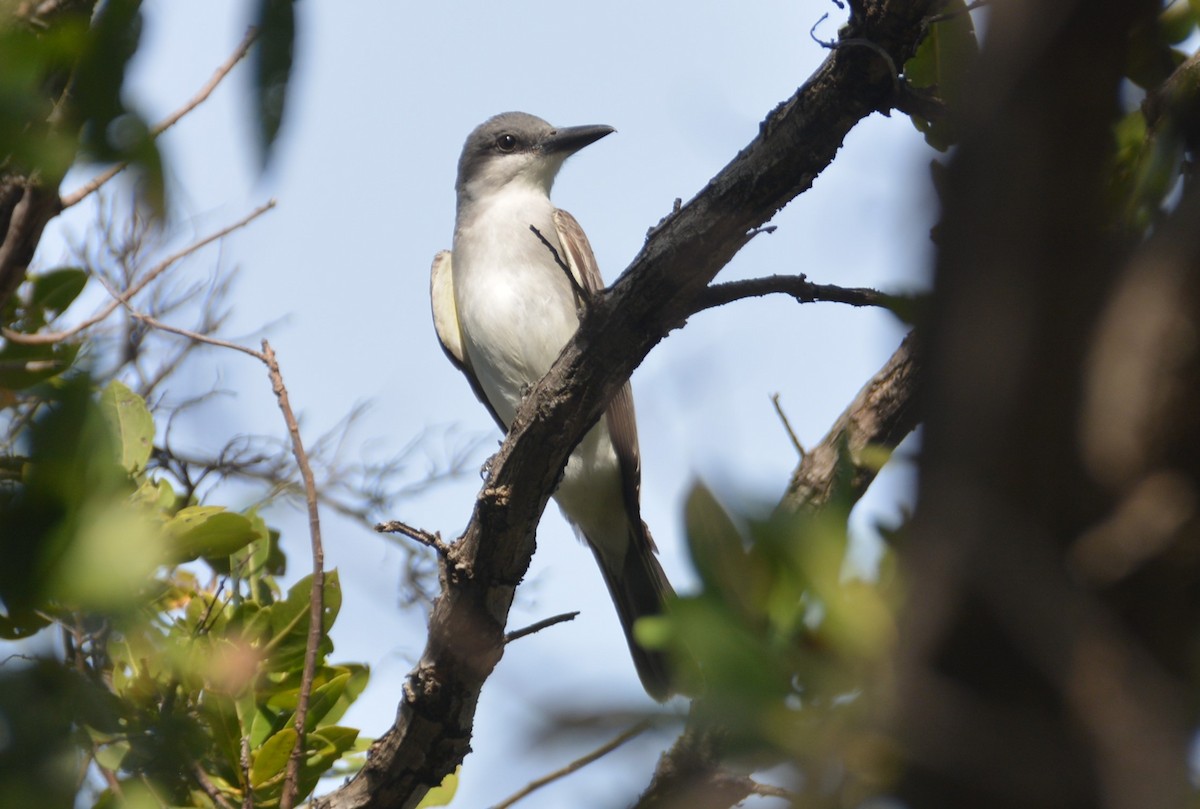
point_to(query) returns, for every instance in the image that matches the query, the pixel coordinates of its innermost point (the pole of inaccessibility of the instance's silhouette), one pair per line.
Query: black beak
(571, 139)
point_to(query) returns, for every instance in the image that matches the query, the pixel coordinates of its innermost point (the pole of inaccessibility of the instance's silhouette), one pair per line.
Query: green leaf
(207, 531)
(56, 289)
(270, 760)
(131, 423)
(272, 68)
(110, 756)
(942, 62)
(156, 495)
(251, 561)
(321, 701)
(289, 622)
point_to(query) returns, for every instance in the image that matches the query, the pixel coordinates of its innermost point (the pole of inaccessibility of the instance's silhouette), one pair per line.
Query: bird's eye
(506, 143)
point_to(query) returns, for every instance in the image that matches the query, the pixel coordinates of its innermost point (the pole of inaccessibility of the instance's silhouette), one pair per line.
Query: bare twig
(248, 791)
(797, 286)
(517, 634)
(580, 293)
(43, 338)
(201, 96)
(769, 791)
(429, 540)
(210, 789)
(317, 601)
(577, 764)
(787, 425)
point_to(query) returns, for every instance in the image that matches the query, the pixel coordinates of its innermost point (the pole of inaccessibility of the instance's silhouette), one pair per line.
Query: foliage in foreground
(179, 667)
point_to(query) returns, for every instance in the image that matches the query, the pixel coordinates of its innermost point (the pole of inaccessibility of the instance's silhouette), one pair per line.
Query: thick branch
(796, 141)
(882, 414)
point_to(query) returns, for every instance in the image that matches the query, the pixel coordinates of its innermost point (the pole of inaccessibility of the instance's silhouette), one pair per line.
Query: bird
(504, 307)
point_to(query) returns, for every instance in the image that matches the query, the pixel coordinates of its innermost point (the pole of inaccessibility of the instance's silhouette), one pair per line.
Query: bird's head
(516, 147)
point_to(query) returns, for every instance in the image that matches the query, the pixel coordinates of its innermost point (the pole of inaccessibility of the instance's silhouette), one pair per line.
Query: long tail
(640, 588)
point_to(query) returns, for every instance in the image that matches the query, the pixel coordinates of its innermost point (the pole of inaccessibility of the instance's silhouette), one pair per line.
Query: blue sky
(384, 94)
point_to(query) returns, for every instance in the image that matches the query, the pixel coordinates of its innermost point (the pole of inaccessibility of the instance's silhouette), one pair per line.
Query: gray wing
(622, 424)
(449, 332)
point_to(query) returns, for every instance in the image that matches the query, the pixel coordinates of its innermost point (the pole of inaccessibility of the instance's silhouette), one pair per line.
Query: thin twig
(195, 335)
(210, 789)
(517, 634)
(247, 790)
(770, 791)
(201, 96)
(862, 42)
(43, 338)
(577, 764)
(798, 286)
(167, 327)
(787, 425)
(581, 294)
(317, 600)
(429, 540)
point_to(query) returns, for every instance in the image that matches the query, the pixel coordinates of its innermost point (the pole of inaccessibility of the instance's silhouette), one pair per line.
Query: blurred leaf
(1150, 58)
(208, 531)
(272, 68)
(156, 495)
(108, 564)
(37, 761)
(100, 77)
(908, 308)
(71, 474)
(56, 289)
(131, 423)
(1146, 169)
(443, 793)
(943, 61)
(23, 366)
(719, 554)
(1178, 21)
(37, 66)
(110, 756)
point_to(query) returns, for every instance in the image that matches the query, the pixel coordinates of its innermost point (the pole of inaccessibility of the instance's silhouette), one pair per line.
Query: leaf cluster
(787, 649)
(180, 671)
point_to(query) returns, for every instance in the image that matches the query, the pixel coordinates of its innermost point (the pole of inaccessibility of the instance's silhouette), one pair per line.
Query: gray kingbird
(504, 308)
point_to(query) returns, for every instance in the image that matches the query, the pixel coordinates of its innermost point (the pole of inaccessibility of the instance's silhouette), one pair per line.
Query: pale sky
(383, 95)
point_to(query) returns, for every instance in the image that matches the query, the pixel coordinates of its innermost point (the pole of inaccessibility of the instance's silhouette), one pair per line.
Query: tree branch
(466, 633)
(882, 414)
(797, 286)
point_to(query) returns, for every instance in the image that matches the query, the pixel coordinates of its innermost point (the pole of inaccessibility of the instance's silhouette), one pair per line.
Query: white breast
(515, 304)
